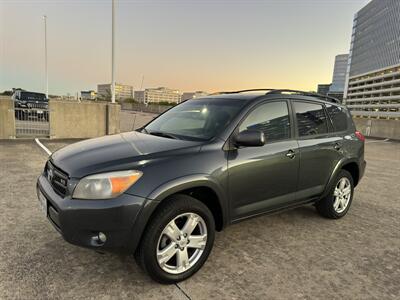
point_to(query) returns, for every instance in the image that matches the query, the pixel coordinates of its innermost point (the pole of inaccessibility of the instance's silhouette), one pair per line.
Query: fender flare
(169, 188)
(336, 170)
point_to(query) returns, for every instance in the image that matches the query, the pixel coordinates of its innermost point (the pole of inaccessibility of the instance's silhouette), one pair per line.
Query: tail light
(360, 136)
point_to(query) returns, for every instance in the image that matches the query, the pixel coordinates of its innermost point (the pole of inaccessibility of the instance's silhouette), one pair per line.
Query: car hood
(115, 152)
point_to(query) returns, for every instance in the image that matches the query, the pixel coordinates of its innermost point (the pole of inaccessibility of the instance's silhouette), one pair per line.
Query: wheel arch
(350, 165)
(200, 187)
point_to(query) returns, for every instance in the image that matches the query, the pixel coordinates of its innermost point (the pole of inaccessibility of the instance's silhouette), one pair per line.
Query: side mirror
(250, 138)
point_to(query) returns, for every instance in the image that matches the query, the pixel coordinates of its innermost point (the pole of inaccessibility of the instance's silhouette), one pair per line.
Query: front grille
(37, 105)
(57, 178)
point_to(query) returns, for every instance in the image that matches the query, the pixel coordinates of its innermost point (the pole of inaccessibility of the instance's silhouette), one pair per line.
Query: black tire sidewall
(175, 206)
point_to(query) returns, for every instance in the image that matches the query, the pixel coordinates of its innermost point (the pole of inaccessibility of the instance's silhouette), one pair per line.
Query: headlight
(106, 185)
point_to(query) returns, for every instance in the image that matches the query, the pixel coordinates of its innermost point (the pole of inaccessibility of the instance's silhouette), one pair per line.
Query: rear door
(320, 150)
(264, 178)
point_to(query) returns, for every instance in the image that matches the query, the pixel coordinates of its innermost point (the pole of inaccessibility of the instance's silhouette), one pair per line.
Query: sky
(210, 45)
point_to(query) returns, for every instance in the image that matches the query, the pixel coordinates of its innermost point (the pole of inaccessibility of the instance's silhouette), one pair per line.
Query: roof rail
(311, 94)
(242, 91)
(281, 91)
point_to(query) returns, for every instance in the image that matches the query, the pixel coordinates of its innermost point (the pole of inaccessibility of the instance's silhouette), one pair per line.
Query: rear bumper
(80, 221)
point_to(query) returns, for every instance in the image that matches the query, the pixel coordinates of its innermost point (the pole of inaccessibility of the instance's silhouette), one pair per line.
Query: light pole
(45, 56)
(112, 55)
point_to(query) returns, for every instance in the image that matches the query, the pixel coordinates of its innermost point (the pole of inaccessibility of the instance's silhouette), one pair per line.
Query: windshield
(30, 96)
(200, 119)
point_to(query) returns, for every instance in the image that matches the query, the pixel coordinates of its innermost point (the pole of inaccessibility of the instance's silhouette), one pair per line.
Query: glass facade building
(339, 76)
(373, 72)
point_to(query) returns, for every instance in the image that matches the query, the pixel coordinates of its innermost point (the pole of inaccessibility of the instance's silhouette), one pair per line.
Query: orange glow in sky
(186, 45)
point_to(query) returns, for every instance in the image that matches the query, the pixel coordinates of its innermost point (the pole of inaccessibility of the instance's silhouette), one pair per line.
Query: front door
(264, 178)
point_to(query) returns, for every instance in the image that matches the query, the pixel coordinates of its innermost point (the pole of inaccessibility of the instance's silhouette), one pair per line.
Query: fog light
(102, 237)
(99, 239)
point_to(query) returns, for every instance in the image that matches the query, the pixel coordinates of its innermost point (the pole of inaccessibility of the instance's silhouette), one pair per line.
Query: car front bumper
(81, 221)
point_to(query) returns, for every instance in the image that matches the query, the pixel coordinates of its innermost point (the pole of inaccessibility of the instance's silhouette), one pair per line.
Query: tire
(178, 210)
(328, 207)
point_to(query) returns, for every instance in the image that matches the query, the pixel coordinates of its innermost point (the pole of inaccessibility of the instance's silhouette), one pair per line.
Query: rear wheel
(177, 241)
(338, 201)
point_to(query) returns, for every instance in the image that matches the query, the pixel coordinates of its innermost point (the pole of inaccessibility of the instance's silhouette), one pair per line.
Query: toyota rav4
(162, 191)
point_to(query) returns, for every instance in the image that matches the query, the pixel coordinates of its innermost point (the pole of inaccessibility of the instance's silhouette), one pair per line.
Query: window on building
(311, 118)
(271, 118)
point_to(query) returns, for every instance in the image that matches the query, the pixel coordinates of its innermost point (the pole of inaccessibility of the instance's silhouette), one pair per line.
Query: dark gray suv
(161, 191)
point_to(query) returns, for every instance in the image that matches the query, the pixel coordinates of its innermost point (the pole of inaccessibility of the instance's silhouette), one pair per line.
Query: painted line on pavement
(43, 146)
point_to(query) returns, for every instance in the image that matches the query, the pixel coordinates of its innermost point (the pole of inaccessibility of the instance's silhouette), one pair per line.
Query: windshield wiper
(163, 134)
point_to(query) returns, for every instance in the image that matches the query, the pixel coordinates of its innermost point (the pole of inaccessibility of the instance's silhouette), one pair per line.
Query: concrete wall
(379, 128)
(7, 118)
(131, 120)
(151, 108)
(113, 121)
(83, 119)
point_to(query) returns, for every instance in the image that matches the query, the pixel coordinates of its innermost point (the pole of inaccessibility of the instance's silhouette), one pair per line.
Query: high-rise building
(122, 91)
(339, 76)
(373, 73)
(157, 95)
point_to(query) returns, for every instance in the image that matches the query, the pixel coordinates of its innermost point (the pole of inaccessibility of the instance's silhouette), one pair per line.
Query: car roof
(257, 95)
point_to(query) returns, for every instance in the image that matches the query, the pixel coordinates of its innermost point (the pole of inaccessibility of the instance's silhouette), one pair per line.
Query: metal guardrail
(32, 122)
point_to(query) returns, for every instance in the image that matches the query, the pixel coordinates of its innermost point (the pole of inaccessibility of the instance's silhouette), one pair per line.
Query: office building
(336, 89)
(373, 73)
(192, 95)
(323, 89)
(157, 95)
(88, 95)
(121, 91)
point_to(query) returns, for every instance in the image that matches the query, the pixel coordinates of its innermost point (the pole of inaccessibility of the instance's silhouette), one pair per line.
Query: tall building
(157, 95)
(373, 82)
(323, 89)
(121, 91)
(192, 95)
(339, 76)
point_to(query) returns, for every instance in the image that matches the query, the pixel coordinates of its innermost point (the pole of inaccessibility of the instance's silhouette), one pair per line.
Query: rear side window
(311, 118)
(338, 116)
(271, 118)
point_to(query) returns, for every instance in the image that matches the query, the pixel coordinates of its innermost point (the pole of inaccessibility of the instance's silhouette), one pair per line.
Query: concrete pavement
(291, 255)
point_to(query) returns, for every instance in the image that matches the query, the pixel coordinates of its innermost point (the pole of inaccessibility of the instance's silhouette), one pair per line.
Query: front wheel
(336, 204)
(178, 240)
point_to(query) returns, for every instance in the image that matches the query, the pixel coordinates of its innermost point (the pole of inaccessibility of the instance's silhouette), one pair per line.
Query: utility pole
(112, 54)
(45, 56)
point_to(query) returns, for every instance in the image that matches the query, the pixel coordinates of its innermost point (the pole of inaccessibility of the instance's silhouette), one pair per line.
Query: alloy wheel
(181, 243)
(342, 195)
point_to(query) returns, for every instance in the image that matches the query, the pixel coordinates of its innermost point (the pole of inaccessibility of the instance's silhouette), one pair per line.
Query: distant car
(30, 104)
(162, 191)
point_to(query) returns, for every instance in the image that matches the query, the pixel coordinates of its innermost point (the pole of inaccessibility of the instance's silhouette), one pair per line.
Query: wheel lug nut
(178, 238)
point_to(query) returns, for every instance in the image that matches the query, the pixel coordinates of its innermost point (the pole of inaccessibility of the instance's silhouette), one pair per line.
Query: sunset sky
(188, 45)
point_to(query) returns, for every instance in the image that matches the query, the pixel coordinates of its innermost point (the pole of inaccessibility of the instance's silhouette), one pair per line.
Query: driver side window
(271, 118)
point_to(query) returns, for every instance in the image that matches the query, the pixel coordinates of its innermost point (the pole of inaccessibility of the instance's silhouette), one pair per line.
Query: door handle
(337, 146)
(290, 154)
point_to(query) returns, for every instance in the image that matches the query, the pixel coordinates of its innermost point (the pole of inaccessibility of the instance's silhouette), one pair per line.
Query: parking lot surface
(291, 255)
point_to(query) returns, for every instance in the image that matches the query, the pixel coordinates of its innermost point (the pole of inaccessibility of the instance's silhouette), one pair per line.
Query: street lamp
(112, 55)
(45, 56)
